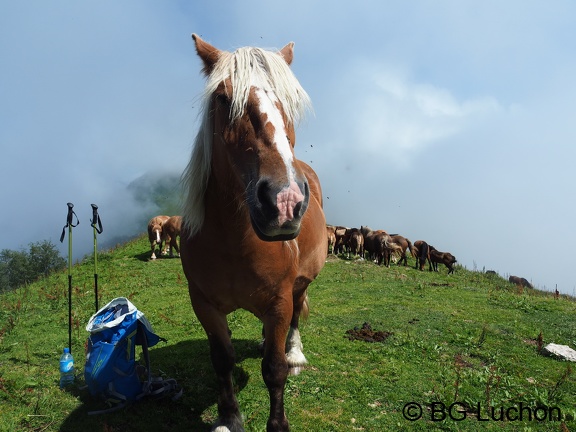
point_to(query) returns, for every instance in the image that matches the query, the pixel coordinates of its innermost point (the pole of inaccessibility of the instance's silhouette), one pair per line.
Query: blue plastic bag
(111, 371)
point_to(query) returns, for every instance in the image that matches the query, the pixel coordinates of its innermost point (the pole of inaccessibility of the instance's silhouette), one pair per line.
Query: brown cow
(155, 234)
(446, 258)
(170, 233)
(516, 280)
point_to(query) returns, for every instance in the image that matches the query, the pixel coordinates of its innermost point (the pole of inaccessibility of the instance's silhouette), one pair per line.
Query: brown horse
(378, 244)
(437, 257)
(341, 239)
(355, 242)
(404, 245)
(155, 234)
(253, 232)
(331, 237)
(421, 251)
(517, 280)
(171, 231)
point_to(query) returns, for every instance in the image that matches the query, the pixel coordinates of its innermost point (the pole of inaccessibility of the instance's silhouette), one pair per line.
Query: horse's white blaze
(158, 236)
(294, 354)
(268, 106)
(289, 197)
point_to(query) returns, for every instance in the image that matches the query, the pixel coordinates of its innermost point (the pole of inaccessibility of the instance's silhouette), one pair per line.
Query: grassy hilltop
(470, 338)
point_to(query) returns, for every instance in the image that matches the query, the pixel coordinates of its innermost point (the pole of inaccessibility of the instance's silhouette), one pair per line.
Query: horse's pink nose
(276, 212)
(289, 202)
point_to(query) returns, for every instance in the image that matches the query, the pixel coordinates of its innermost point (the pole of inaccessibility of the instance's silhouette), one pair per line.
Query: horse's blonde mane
(244, 68)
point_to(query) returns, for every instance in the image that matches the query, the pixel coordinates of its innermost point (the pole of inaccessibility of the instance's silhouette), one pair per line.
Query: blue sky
(448, 121)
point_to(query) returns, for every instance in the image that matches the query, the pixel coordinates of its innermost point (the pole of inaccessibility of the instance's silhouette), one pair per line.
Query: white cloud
(399, 118)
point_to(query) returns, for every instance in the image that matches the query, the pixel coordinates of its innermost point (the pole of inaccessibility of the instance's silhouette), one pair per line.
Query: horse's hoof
(293, 371)
(233, 424)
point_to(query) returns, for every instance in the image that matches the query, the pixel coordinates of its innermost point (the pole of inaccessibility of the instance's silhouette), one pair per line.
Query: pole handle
(69, 221)
(96, 222)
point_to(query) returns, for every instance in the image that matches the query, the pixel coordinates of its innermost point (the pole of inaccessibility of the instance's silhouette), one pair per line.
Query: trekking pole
(69, 225)
(97, 225)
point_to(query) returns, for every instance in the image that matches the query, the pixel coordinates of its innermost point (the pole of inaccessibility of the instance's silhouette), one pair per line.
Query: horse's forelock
(249, 66)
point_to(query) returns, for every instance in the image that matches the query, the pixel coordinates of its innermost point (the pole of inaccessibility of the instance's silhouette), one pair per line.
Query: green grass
(469, 338)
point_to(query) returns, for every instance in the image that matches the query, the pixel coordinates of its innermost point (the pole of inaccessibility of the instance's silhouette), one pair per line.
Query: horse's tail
(423, 251)
(410, 247)
(305, 313)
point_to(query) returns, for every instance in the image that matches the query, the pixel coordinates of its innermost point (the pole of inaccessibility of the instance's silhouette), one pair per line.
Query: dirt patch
(366, 334)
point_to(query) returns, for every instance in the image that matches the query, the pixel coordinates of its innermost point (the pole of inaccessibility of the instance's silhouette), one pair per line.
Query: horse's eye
(222, 99)
(288, 138)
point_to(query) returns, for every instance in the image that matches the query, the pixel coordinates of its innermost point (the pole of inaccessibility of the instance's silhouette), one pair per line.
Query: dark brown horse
(517, 280)
(254, 233)
(355, 242)
(446, 258)
(421, 251)
(378, 244)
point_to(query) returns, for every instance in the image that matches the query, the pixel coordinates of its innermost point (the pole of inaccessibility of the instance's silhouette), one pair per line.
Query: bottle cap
(66, 350)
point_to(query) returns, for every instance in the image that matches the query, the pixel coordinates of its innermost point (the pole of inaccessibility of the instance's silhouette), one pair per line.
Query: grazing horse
(404, 245)
(171, 231)
(155, 234)
(378, 244)
(355, 242)
(437, 257)
(341, 239)
(421, 251)
(253, 231)
(517, 280)
(331, 238)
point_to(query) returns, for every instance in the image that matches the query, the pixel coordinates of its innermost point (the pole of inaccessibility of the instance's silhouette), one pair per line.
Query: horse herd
(382, 248)
(363, 242)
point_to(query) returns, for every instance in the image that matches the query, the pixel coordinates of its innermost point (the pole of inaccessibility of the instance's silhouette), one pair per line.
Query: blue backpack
(111, 371)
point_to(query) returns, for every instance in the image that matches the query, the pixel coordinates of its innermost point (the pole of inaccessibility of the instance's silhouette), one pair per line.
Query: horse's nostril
(298, 209)
(263, 192)
(266, 199)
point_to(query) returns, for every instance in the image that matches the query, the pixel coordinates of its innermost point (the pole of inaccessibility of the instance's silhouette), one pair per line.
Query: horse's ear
(288, 53)
(207, 53)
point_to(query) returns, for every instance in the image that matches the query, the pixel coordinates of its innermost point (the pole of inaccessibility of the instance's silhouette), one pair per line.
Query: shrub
(20, 267)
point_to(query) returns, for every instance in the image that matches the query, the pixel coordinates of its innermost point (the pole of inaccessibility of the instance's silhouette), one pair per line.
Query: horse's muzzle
(276, 212)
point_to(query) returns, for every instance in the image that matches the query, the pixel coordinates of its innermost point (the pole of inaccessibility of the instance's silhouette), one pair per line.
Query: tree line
(18, 268)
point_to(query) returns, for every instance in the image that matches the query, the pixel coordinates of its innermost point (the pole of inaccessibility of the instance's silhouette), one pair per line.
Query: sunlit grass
(467, 338)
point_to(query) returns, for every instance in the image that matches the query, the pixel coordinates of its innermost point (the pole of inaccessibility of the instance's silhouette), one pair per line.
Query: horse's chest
(229, 277)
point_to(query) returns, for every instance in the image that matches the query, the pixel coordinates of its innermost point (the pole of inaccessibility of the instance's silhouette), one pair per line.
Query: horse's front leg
(222, 356)
(274, 364)
(294, 355)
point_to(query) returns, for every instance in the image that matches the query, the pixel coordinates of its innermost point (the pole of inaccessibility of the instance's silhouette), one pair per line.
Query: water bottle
(66, 368)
